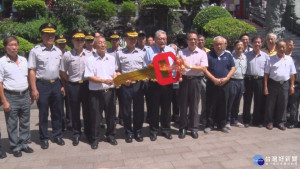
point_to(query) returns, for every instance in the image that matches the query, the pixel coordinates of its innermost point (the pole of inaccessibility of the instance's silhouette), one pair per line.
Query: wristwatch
(191, 67)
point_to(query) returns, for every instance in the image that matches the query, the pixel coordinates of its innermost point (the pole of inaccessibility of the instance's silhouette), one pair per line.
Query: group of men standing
(84, 76)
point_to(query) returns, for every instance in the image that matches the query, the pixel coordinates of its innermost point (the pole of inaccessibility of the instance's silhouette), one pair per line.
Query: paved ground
(212, 151)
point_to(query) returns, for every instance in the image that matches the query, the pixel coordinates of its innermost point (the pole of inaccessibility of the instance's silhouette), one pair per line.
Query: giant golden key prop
(160, 69)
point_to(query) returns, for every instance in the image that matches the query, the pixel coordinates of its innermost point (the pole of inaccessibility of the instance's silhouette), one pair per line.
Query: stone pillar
(275, 10)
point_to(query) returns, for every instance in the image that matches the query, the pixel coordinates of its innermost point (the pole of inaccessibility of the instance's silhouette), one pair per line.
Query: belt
(278, 82)
(78, 82)
(15, 92)
(106, 90)
(191, 77)
(250, 77)
(50, 81)
(236, 79)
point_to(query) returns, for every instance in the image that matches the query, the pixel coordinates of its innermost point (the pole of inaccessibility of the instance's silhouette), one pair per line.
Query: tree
(162, 9)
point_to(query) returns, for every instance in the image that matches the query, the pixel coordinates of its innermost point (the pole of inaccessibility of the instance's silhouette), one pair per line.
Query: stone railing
(257, 15)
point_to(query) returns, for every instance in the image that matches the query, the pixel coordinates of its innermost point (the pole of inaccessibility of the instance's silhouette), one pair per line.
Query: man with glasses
(160, 95)
(195, 62)
(245, 39)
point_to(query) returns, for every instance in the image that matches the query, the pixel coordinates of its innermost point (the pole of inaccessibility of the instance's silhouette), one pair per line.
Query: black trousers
(160, 98)
(148, 101)
(254, 87)
(189, 98)
(276, 102)
(79, 94)
(102, 100)
(175, 102)
(133, 94)
(216, 104)
(50, 96)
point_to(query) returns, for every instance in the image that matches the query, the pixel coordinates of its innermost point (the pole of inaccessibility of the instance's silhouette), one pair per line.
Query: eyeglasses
(13, 45)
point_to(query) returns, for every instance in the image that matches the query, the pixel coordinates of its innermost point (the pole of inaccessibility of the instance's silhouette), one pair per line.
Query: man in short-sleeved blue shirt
(219, 71)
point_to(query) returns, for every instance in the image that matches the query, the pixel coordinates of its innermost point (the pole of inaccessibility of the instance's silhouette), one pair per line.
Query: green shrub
(7, 28)
(30, 30)
(128, 8)
(157, 3)
(209, 42)
(208, 14)
(108, 44)
(229, 28)
(24, 46)
(102, 9)
(30, 8)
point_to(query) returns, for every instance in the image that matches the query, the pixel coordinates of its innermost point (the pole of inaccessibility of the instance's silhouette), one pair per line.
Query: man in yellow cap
(114, 37)
(89, 41)
(61, 42)
(72, 71)
(46, 89)
(130, 59)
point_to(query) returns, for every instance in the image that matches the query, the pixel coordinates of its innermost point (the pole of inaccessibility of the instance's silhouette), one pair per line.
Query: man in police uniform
(115, 47)
(160, 95)
(46, 89)
(280, 69)
(72, 71)
(100, 70)
(61, 43)
(130, 59)
(89, 42)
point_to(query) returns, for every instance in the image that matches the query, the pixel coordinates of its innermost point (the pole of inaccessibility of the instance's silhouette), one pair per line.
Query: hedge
(128, 8)
(102, 9)
(29, 8)
(157, 3)
(208, 14)
(30, 30)
(229, 28)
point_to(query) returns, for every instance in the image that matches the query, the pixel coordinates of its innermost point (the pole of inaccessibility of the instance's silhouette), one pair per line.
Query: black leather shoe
(2, 154)
(102, 126)
(128, 138)
(17, 153)
(95, 144)
(153, 136)
(27, 150)
(75, 141)
(121, 122)
(44, 144)
(194, 134)
(138, 137)
(112, 141)
(181, 133)
(246, 125)
(59, 141)
(167, 135)
(291, 126)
